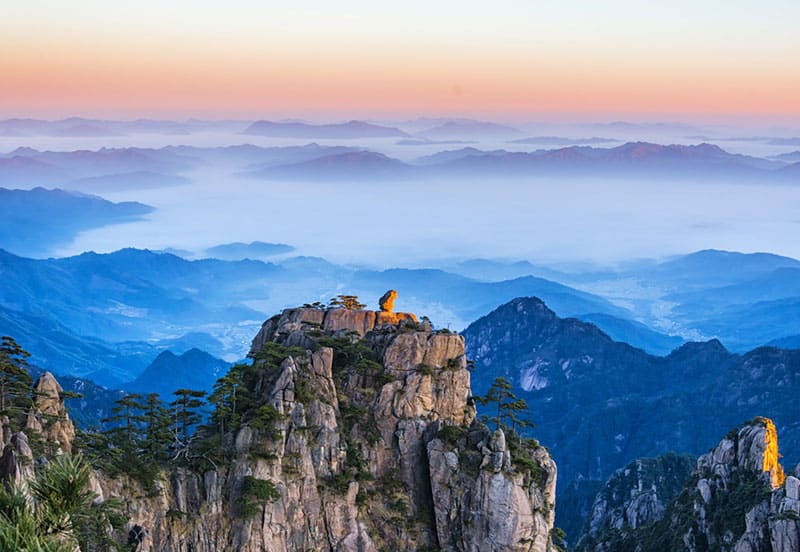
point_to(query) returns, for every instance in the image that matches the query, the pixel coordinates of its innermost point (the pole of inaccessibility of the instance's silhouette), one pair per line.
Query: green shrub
(255, 494)
(384, 378)
(452, 434)
(425, 370)
(263, 490)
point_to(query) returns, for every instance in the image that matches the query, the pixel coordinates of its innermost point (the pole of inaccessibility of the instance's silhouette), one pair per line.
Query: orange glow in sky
(510, 60)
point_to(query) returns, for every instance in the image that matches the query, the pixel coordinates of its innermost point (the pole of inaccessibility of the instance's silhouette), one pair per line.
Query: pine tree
(127, 418)
(185, 414)
(15, 381)
(61, 513)
(509, 407)
(349, 302)
(500, 393)
(226, 398)
(158, 435)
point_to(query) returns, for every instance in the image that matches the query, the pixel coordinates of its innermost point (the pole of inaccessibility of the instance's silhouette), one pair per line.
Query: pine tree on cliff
(127, 417)
(224, 398)
(509, 407)
(158, 436)
(185, 415)
(15, 381)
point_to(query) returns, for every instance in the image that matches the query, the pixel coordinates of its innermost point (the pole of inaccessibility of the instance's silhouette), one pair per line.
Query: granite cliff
(737, 498)
(352, 430)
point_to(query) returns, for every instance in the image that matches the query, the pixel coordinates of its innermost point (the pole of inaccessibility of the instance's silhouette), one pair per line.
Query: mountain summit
(351, 430)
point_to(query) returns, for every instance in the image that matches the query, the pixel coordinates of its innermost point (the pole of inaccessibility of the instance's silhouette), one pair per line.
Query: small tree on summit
(349, 302)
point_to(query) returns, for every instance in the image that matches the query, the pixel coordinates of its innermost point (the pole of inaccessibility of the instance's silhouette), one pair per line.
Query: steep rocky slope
(355, 431)
(600, 404)
(47, 430)
(638, 494)
(737, 499)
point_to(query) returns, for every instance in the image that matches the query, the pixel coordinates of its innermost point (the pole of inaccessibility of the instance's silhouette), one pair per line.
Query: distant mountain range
(83, 127)
(699, 160)
(137, 180)
(254, 250)
(636, 160)
(194, 369)
(348, 130)
(132, 168)
(77, 313)
(791, 157)
(465, 128)
(562, 141)
(26, 167)
(115, 169)
(106, 316)
(599, 404)
(34, 222)
(359, 165)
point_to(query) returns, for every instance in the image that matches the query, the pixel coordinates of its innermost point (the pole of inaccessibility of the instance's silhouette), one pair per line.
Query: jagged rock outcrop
(330, 320)
(737, 499)
(16, 462)
(45, 430)
(637, 495)
(481, 503)
(371, 444)
(49, 416)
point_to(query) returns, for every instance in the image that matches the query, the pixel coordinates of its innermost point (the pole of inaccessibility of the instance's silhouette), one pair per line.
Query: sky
(505, 59)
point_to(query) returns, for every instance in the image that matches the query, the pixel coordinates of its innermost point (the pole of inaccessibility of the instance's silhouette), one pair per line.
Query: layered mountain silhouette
(194, 369)
(466, 128)
(348, 130)
(635, 159)
(358, 165)
(254, 250)
(34, 222)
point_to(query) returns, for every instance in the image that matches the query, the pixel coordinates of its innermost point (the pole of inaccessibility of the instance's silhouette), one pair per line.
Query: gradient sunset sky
(707, 59)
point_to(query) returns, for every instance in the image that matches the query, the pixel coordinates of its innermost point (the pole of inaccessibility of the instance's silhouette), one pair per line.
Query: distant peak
(696, 347)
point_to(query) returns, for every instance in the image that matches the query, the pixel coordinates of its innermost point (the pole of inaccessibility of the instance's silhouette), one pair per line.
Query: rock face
(16, 463)
(637, 495)
(49, 415)
(47, 429)
(373, 446)
(737, 499)
(331, 320)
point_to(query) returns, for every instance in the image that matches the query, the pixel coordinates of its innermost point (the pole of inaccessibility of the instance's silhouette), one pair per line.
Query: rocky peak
(637, 495)
(49, 416)
(753, 449)
(371, 444)
(296, 321)
(47, 430)
(737, 499)
(16, 462)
